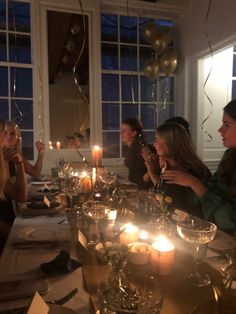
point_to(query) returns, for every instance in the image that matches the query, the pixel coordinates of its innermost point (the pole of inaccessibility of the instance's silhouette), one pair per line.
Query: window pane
(2, 14)
(19, 16)
(4, 112)
(128, 58)
(166, 89)
(110, 117)
(109, 57)
(110, 143)
(233, 89)
(4, 81)
(168, 23)
(109, 28)
(148, 116)
(24, 107)
(129, 111)
(234, 65)
(110, 87)
(129, 86)
(3, 47)
(23, 82)
(19, 48)
(166, 113)
(145, 53)
(27, 145)
(148, 90)
(128, 29)
(149, 136)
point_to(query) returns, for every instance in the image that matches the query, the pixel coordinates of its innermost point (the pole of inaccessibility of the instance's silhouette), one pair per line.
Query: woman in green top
(218, 198)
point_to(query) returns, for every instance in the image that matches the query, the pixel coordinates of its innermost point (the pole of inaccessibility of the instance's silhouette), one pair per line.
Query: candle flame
(143, 235)
(163, 244)
(129, 228)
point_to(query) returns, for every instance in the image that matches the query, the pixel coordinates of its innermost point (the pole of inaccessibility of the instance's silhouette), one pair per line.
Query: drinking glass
(97, 211)
(197, 231)
(108, 178)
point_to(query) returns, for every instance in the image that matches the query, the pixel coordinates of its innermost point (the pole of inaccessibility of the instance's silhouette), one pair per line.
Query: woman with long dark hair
(218, 198)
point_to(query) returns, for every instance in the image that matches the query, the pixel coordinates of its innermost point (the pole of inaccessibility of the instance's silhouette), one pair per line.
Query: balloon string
(204, 86)
(40, 115)
(20, 114)
(130, 56)
(75, 74)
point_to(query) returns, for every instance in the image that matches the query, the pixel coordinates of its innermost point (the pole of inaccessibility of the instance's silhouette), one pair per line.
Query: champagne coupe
(108, 178)
(197, 231)
(96, 211)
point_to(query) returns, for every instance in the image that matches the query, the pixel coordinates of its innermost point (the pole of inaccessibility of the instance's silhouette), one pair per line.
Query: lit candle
(130, 234)
(162, 256)
(58, 145)
(143, 235)
(112, 215)
(86, 184)
(50, 145)
(94, 175)
(97, 156)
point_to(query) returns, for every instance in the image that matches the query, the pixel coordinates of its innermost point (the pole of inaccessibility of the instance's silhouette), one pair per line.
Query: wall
(193, 46)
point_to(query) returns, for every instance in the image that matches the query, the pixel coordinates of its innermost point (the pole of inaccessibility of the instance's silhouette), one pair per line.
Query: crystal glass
(108, 178)
(197, 231)
(97, 211)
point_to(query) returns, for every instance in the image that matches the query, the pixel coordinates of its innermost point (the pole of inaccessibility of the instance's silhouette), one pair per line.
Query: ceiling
(66, 36)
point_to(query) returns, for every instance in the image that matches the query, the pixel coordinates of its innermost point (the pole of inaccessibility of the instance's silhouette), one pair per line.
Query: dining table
(38, 237)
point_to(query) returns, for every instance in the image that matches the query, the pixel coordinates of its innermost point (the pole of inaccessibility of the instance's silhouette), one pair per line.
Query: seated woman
(13, 139)
(9, 191)
(131, 135)
(218, 198)
(175, 151)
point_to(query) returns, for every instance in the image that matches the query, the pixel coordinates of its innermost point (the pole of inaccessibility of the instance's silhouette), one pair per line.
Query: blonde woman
(9, 191)
(176, 153)
(13, 139)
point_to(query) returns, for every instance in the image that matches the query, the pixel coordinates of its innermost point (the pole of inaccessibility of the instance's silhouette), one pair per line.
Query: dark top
(219, 203)
(184, 198)
(136, 165)
(7, 214)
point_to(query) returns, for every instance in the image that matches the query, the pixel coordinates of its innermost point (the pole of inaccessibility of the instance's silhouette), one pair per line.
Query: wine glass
(197, 231)
(96, 211)
(108, 178)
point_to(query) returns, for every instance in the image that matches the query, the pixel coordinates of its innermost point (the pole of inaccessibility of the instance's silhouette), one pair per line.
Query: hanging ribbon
(20, 114)
(204, 86)
(75, 74)
(39, 105)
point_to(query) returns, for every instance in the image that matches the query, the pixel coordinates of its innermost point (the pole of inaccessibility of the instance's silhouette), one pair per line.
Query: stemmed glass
(97, 211)
(108, 178)
(197, 231)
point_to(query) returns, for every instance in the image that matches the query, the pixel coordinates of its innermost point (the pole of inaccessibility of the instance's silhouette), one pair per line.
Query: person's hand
(178, 177)
(145, 152)
(40, 147)
(11, 154)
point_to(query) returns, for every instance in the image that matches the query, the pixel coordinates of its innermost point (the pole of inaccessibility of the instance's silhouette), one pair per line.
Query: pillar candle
(86, 184)
(162, 256)
(58, 145)
(97, 156)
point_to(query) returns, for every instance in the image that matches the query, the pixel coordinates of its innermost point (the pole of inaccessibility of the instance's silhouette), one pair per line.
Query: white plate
(41, 182)
(31, 233)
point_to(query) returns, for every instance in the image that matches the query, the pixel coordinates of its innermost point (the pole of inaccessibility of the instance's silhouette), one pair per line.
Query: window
(126, 92)
(16, 88)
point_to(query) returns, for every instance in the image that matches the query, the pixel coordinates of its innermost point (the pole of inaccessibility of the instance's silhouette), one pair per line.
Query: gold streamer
(40, 115)
(75, 74)
(204, 86)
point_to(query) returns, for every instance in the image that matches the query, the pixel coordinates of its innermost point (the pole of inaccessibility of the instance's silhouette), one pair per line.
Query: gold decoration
(151, 69)
(168, 61)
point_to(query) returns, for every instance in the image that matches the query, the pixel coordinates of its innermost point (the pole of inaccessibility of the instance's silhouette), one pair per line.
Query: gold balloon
(168, 61)
(151, 69)
(148, 32)
(161, 39)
